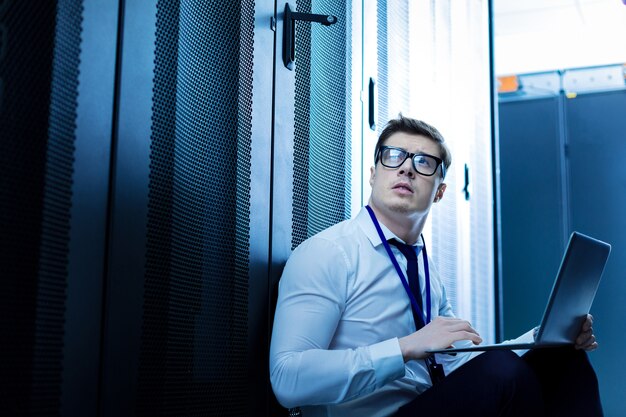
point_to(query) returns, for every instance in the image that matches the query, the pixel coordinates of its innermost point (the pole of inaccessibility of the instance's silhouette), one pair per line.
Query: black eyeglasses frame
(412, 156)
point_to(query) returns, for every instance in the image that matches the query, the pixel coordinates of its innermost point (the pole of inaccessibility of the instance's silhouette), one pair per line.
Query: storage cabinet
(562, 170)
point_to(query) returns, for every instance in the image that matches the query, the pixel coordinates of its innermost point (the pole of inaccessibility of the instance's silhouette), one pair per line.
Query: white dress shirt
(341, 309)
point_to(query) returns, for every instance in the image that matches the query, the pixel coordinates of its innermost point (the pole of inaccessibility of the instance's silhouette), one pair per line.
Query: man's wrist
(403, 349)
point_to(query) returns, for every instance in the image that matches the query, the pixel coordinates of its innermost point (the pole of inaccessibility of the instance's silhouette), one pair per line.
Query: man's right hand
(438, 334)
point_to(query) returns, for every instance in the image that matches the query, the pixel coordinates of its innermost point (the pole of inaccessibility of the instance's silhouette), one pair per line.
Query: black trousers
(544, 382)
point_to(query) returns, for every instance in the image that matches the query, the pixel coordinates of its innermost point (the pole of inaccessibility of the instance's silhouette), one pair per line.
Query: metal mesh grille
(322, 116)
(39, 60)
(46, 390)
(194, 341)
(302, 127)
(397, 85)
(382, 73)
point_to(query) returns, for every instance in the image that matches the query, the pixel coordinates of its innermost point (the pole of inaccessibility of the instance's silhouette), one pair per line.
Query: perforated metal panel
(55, 234)
(194, 338)
(39, 56)
(302, 128)
(23, 126)
(383, 62)
(322, 116)
(396, 62)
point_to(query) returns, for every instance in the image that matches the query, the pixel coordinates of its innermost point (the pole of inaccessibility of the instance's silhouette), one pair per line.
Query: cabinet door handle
(371, 104)
(289, 31)
(466, 189)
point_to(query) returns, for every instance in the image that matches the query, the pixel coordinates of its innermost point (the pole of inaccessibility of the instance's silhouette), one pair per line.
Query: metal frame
(86, 270)
(123, 299)
(495, 169)
(260, 207)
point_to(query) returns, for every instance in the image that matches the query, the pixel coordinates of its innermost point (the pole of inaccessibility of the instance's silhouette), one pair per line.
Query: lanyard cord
(414, 304)
(431, 362)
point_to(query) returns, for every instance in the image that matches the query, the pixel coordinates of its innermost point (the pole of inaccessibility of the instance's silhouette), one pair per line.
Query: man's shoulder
(331, 251)
(347, 239)
(336, 240)
(342, 233)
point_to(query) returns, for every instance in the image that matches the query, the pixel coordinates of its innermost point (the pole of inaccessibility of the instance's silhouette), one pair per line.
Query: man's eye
(396, 155)
(424, 161)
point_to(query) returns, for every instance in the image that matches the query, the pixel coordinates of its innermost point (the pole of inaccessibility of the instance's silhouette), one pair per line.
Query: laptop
(572, 294)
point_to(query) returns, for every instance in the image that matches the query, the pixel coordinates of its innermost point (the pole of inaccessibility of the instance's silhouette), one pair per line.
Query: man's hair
(413, 127)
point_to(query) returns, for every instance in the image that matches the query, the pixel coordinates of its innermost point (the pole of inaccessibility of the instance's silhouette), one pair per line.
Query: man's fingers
(588, 347)
(461, 325)
(466, 335)
(465, 331)
(585, 342)
(459, 329)
(474, 337)
(583, 337)
(588, 344)
(446, 320)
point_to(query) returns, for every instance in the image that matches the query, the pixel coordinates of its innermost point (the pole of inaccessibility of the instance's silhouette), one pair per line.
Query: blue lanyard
(416, 307)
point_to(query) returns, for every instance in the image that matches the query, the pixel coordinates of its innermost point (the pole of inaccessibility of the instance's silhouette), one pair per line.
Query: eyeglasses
(423, 163)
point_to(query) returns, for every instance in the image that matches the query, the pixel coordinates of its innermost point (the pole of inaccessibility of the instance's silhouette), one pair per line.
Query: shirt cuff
(387, 360)
(525, 338)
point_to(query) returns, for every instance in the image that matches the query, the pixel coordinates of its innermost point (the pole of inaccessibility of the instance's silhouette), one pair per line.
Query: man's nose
(407, 168)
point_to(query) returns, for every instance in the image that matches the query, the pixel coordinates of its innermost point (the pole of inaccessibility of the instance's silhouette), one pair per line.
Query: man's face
(402, 190)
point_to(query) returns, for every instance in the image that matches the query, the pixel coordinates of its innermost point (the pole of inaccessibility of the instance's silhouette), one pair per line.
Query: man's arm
(312, 297)
(441, 332)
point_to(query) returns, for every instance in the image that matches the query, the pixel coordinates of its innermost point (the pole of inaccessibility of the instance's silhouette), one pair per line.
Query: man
(358, 309)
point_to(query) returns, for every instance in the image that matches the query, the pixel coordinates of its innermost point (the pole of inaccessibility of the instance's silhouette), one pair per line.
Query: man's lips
(403, 187)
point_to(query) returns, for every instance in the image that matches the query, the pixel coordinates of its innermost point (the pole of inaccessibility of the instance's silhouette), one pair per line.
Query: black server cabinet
(57, 70)
(183, 254)
(159, 163)
(312, 139)
(219, 171)
(561, 169)
(532, 207)
(596, 132)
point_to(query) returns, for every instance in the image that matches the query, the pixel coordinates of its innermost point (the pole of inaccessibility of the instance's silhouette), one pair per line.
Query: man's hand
(586, 340)
(438, 334)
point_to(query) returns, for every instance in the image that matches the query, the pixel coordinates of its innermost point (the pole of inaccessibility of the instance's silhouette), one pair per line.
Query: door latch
(289, 31)
(466, 188)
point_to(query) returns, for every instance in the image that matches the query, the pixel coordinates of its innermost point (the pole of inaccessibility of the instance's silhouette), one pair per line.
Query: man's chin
(402, 208)
(399, 206)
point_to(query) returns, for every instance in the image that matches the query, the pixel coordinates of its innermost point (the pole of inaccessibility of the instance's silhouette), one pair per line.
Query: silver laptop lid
(574, 289)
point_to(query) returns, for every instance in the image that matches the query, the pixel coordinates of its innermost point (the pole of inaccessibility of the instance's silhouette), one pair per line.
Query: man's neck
(407, 227)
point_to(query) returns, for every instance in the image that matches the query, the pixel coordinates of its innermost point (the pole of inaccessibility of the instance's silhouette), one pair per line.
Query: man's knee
(506, 367)
(514, 382)
(566, 377)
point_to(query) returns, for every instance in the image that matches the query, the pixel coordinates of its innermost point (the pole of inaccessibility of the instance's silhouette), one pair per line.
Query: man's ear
(372, 175)
(440, 191)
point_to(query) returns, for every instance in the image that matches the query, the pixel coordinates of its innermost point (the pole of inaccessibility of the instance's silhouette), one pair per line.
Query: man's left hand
(586, 340)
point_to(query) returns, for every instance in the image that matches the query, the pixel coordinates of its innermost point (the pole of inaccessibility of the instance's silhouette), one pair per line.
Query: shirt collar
(367, 226)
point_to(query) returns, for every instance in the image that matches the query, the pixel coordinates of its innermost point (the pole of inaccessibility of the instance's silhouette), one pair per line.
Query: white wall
(543, 35)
